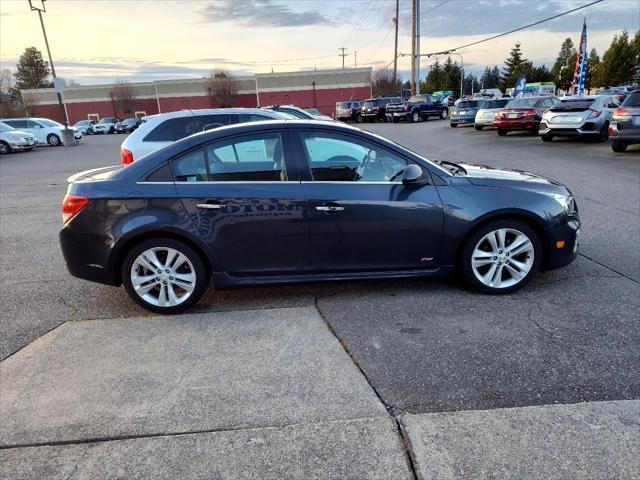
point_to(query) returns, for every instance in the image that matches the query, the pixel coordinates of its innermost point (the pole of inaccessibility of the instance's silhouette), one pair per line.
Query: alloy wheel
(163, 276)
(503, 258)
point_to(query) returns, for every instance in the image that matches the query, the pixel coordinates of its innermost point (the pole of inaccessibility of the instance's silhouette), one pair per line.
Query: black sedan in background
(128, 125)
(296, 201)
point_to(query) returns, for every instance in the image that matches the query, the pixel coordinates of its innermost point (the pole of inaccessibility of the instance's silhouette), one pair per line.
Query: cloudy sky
(100, 41)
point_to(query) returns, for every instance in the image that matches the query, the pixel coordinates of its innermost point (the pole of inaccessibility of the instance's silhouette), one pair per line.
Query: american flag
(580, 72)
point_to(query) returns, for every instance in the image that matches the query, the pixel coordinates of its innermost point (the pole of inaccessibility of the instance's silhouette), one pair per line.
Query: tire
(415, 116)
(192, 266)
(444, 114)
(479, 128)
(359, 119)
(604, 133)
(453, 125)
(112, 130)
(618, 146)
(4, 148)
(502, 132)
(495, 271)
(546, 138)
(54, 140)
(395, 120)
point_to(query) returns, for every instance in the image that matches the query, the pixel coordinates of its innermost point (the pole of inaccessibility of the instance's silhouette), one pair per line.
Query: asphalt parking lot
(378, 357)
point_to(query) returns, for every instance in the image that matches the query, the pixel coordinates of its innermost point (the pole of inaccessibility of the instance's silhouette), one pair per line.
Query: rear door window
(191, 167)
(17, 124)
(256, 157)
(170, 130)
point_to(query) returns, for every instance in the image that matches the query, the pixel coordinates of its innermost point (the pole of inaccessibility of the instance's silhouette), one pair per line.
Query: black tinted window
(257, 157)
(253, 117)
(632, 100)
(176, 128)
(160, 174)
(190, 167)
(16, 123)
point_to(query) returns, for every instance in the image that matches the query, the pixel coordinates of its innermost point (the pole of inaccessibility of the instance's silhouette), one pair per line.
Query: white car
(44, 130)
(12, 140)
(85, 126)
(106, 125)
(157, 131)
(486, 114)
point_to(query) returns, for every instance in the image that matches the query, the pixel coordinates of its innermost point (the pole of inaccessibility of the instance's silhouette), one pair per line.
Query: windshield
(129, 120)
(82, 123)
(495, 103)
(5, 128)
(417, 99)
(107, 120)
(471, 104)
(49, 123)
(313, 111)
(296, 113)
(522, 102)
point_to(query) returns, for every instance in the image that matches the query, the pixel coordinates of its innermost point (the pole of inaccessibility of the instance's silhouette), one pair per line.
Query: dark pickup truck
(418, 107)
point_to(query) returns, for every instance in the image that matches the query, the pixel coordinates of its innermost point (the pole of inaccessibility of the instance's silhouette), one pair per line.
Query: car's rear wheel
(4, 148)
(618, 146)
(53, 140)
(546, 138)
(478, 127)
(359, 119)
(604, 133)
(415, 116)
(502, 132)
(444, 114)
(164, 275)
(453, 125)
(501, 257)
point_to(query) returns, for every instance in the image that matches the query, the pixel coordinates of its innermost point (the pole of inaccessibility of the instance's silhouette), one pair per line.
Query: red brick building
(318, 88)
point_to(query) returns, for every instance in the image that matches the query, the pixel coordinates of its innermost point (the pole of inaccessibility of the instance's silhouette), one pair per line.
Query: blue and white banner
(580, 72)
(518, 92)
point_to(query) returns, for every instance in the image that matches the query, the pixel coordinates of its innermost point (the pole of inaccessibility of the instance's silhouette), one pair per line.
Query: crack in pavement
(404, 439)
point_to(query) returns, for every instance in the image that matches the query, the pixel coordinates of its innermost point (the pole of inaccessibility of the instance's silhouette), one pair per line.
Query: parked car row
(32, 131)
(108, 125)
(393, 109)
(597, 117)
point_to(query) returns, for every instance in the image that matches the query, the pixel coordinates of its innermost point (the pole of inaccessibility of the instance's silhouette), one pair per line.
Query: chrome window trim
(220, 182)
(350, 182)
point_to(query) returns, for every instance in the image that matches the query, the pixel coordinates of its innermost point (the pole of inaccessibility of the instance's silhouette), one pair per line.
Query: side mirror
(412, 175)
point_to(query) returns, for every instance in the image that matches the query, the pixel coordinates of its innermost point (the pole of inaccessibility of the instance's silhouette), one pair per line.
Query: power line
(437, 6)
(444, 52)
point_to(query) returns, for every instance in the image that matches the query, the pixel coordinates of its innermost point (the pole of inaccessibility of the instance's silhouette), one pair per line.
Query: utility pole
(413, 46)
(53, 70)
(395, 48)
(342, 55)
(418, 46)
(355, 59)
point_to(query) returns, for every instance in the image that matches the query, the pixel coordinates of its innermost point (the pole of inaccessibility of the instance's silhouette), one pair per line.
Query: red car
(522, 114)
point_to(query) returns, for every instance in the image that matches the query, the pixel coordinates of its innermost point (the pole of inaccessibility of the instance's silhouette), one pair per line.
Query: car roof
(202, 111)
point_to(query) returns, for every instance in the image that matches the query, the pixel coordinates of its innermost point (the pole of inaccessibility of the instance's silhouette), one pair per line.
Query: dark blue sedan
(297, 201)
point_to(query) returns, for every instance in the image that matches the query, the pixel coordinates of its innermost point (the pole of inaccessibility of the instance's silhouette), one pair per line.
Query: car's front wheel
(164, 275)
(444, 114)
(500, 257)
(4, 148)
(478, 127)
(546, 138)
(502, 132)
(415, 116)
(53, 140)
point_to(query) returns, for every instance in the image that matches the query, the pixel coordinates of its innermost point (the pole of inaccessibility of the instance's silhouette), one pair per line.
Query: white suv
(43, 129)
(157, 131)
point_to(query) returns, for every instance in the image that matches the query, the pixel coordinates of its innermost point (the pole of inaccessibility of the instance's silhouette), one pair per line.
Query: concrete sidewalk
(266, 394)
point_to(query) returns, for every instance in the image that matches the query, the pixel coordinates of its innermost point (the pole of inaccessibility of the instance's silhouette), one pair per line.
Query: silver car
(12, 140)
(587, 116)
(485, 115)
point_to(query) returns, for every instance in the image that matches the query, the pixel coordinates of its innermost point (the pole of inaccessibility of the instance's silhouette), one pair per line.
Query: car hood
(496, 177)
(20, 133)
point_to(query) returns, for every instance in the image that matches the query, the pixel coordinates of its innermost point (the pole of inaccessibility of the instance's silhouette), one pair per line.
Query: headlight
(566, 201)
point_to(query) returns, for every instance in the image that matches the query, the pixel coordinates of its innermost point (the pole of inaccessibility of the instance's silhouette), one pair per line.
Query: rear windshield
(371, 103)
(495, 103)
(83, 122)
(344, 105)
(572, 104)
(471, 104)
(633, 100)
(130, 120)
(522, 102)
(418, 99)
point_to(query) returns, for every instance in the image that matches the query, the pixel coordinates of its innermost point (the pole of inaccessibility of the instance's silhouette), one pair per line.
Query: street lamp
(40, 9)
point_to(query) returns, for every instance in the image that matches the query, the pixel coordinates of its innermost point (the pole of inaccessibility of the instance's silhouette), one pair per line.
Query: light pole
(40, 10)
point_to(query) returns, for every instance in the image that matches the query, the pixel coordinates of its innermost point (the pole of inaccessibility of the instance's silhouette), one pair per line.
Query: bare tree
(384, 83)
(6, 80)
(123, 98)
(222, 88)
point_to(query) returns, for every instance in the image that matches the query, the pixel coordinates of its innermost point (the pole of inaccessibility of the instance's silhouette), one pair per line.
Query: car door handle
(329, 208)
(210, 206)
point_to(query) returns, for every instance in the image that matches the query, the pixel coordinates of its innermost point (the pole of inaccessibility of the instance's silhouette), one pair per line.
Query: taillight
(621, 112)
(594, 113)
(126, 157)
(377, 109)
(71, 206)
(532, 112)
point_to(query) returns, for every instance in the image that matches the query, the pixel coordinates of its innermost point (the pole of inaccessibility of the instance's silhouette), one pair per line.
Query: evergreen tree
(451, 73)
(540, 74)
(434, 80)
(619, 63)
(32, 71)
(565, 64)
(636, 49)
(593, 65)
(515, 65)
